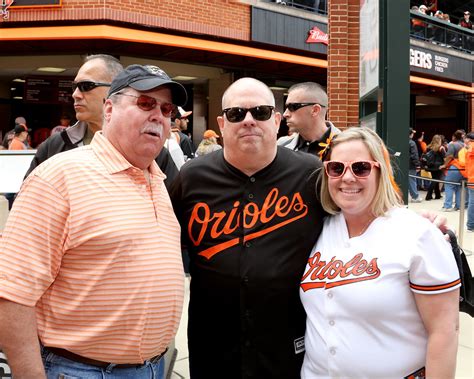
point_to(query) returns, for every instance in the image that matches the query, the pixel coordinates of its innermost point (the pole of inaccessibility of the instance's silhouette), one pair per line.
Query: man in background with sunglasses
(90, 258)
(90, 89)
(305, 114)
(250, 216)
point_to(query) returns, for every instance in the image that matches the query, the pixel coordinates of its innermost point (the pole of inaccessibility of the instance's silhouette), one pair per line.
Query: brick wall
(222, 18)
(343, 62)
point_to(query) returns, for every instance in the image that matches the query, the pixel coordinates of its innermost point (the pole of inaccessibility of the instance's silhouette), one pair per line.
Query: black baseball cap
(146, 78)
(19, 128)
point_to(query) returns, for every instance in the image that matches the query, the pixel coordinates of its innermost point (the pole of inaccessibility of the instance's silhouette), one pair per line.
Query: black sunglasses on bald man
(87, 85)
(259, 113)
(293, 107)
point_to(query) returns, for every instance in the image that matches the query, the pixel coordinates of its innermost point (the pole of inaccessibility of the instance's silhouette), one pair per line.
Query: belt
(92, 362)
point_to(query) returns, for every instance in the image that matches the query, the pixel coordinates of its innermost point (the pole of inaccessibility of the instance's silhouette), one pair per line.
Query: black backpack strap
(466, 294)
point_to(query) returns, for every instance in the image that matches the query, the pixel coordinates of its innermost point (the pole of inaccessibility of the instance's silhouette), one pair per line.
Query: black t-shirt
(249, 239)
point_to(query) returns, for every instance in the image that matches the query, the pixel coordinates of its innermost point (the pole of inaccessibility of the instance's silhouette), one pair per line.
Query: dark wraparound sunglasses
(237, 114)
(293, 107)
(87, 85)
(360, 169)
(148, 103)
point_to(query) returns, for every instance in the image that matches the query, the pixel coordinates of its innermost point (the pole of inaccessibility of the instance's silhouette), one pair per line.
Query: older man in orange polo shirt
(90, 260)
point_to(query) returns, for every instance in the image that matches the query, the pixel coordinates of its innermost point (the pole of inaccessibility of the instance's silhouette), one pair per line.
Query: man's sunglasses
(87, 85)
(293, 107)
(260, 113)
(148, 103)
(360, 169)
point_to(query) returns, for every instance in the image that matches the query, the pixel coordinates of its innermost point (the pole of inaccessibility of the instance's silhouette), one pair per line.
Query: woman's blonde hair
(436, 143)
(388, 194)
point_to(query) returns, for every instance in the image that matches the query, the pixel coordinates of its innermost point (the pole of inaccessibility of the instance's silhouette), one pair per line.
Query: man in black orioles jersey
(250, 217)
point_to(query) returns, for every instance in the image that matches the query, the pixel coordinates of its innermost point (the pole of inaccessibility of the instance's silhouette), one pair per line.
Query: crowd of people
(296, 268)
(442, 160)
(319, 6)
(423, 29)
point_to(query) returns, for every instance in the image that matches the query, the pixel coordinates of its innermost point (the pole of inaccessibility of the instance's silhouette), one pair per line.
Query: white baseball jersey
(362, 320)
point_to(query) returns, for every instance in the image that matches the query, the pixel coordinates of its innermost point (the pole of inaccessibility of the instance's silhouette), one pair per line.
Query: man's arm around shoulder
(19, 340)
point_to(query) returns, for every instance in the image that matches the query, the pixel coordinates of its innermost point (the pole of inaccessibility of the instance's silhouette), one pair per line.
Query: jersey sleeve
(31, 247)
(433, 268)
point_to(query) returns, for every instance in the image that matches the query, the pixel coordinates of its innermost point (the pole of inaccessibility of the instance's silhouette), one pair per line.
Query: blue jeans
(412, 185)
(61, 368)
(451, 190)
(470, 210)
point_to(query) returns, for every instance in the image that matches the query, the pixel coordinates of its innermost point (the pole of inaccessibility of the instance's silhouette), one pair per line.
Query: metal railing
(462, 207)
(317, 6)
(432, 29)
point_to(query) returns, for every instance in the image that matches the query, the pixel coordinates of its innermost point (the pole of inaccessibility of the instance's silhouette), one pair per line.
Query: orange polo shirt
(16, 144)
(96, 248)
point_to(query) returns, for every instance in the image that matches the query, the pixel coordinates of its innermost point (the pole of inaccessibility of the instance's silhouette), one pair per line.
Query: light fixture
(420, 104)
(13, 89)
(184, 78)
(17, 97)
(18, 80)
(51, 69)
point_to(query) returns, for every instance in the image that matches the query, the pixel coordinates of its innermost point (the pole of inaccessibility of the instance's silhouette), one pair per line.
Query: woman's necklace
(366, 226)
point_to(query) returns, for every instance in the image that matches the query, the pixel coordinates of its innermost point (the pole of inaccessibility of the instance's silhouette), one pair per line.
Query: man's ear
(220, 122)
(108, 106)
(316, 109)
(277, 119)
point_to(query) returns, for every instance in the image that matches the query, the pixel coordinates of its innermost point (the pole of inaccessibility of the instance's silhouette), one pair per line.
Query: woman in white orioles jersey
(381, 285)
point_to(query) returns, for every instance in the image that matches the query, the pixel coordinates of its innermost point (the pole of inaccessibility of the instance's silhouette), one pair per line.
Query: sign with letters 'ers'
(440, 64)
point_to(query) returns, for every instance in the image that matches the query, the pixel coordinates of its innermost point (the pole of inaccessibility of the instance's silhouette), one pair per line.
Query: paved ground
(465, 366)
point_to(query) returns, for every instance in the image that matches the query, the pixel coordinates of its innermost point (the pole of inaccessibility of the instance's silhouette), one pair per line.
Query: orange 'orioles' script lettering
(355, 270)
(203, 221)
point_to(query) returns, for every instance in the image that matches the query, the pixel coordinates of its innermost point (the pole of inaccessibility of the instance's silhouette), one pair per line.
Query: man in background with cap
(90, 260)
(18, 142)
(19, 138)
(179, 125)
(11, 133)
(466, 23)
(208, 143)
(90, 88)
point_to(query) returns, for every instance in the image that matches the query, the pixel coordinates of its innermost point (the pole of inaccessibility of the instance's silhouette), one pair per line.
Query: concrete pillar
(216, 90)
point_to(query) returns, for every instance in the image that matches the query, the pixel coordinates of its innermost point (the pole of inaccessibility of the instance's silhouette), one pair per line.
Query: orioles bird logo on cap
(155, 70)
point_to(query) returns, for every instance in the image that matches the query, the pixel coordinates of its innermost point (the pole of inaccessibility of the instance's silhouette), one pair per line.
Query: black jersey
(249, 238)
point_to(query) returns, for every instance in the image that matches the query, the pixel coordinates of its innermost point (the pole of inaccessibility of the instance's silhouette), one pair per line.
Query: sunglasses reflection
(148, 103)
(360, 169)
